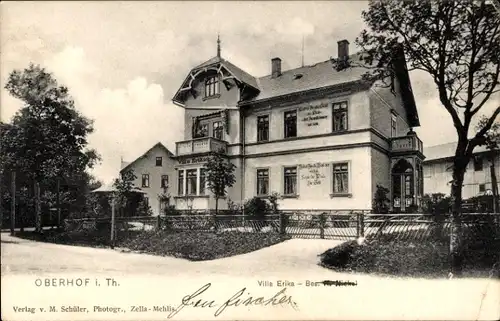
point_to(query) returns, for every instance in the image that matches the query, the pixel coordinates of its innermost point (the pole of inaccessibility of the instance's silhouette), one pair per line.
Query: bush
(257, 208)
(429, 259)
(380, 201)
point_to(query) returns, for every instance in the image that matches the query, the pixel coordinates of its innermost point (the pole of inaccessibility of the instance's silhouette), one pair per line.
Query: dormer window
(212, 86)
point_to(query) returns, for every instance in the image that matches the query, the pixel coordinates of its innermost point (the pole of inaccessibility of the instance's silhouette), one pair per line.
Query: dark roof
(239, 73)
(311, 77)
(314, 76)
(143, 155)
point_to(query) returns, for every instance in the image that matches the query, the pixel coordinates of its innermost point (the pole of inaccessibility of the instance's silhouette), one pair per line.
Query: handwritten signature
(240, 298)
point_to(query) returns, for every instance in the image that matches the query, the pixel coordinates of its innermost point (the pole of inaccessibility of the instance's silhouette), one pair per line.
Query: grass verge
(191, 245)
(425, 260)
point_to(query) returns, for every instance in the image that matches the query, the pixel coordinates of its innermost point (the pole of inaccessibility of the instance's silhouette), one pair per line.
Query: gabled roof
(445, 151)
(218, 62)
(159, 144)
(315, 76)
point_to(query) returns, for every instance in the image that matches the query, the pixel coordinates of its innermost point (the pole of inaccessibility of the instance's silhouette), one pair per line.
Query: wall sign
(193, 160)
(314, 174)
(312, 114)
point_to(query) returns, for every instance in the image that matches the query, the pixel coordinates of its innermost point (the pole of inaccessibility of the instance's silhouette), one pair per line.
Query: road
(148, 279)
(21, 256)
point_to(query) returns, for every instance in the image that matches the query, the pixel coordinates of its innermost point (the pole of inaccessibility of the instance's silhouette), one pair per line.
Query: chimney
(275, 67)
(343, 50)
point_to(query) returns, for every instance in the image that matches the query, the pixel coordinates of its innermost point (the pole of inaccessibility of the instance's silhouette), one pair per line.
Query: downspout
(243, 164)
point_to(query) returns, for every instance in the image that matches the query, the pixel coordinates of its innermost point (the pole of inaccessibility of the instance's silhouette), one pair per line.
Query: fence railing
(313, 224)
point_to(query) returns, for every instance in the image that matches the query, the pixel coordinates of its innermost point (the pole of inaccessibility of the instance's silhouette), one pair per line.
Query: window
(203, 180)
(180, 186)
(191, 181)
(290, 180)
(202, 131)
(478, 164)
(159, 161)
(393, 126)
(291, 124)
(212, 86)
(217, 130)
(263, 128)
(145, 180)
(262, 182)
(339, 116)
(164, 181)
(482, 188)
(340, 178)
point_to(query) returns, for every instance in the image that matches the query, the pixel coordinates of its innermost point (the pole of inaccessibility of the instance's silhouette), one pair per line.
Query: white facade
(438, 171)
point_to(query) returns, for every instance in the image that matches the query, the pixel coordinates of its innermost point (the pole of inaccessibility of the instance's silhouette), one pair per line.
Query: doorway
(403, 193)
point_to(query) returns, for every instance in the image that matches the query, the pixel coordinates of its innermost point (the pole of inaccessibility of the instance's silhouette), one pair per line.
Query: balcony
(408, 143)
(200, 145)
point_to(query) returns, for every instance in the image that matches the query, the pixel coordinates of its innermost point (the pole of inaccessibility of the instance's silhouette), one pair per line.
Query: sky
(124, 61)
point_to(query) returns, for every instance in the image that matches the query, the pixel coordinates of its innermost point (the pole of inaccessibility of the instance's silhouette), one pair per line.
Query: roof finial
(302, 50)
(218, 45)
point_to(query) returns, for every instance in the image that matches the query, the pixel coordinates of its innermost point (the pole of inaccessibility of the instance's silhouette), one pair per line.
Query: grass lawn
(191, 245)
(428, 260)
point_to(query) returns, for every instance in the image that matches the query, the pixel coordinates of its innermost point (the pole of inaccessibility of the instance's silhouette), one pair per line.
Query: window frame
(162, 180)
(394, 125)
(180, 181)
(202, 189)
(284, 169)
(285, 131)
(159, 158)
(188, 184)
(217, 129)
(257, 170)
(341, 110)
(348, 192)
(259, 138)
(145, 179)
(484, 188)
(212, 86)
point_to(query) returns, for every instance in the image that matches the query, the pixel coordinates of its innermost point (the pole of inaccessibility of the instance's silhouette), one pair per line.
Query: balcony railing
(201, 145)
(406, 144)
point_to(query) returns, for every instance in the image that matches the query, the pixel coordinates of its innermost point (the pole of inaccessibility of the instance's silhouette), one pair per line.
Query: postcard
(237, 160)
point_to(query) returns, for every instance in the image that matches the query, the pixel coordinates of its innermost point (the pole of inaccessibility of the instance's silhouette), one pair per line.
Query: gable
(229, 76)
(158, 149)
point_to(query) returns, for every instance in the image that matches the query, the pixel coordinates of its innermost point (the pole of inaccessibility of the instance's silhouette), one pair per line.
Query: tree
(124, 186)
(47, 138)
(219, 176)
(381, 202)
(492, 142)
(457, 44)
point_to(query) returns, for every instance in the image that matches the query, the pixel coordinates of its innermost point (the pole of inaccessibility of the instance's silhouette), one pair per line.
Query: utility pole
(113, 220)
(13, 204)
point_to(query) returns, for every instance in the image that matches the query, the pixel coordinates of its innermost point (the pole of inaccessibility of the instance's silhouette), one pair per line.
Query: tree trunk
(494, 184)
(456, 240)
(13, 204)
(38, 209)
(216, 205)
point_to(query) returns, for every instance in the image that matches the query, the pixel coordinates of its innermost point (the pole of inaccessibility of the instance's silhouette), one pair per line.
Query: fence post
(358, 224)
(322, 225)
(158, 222)
(282, 223)
(362, 224)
